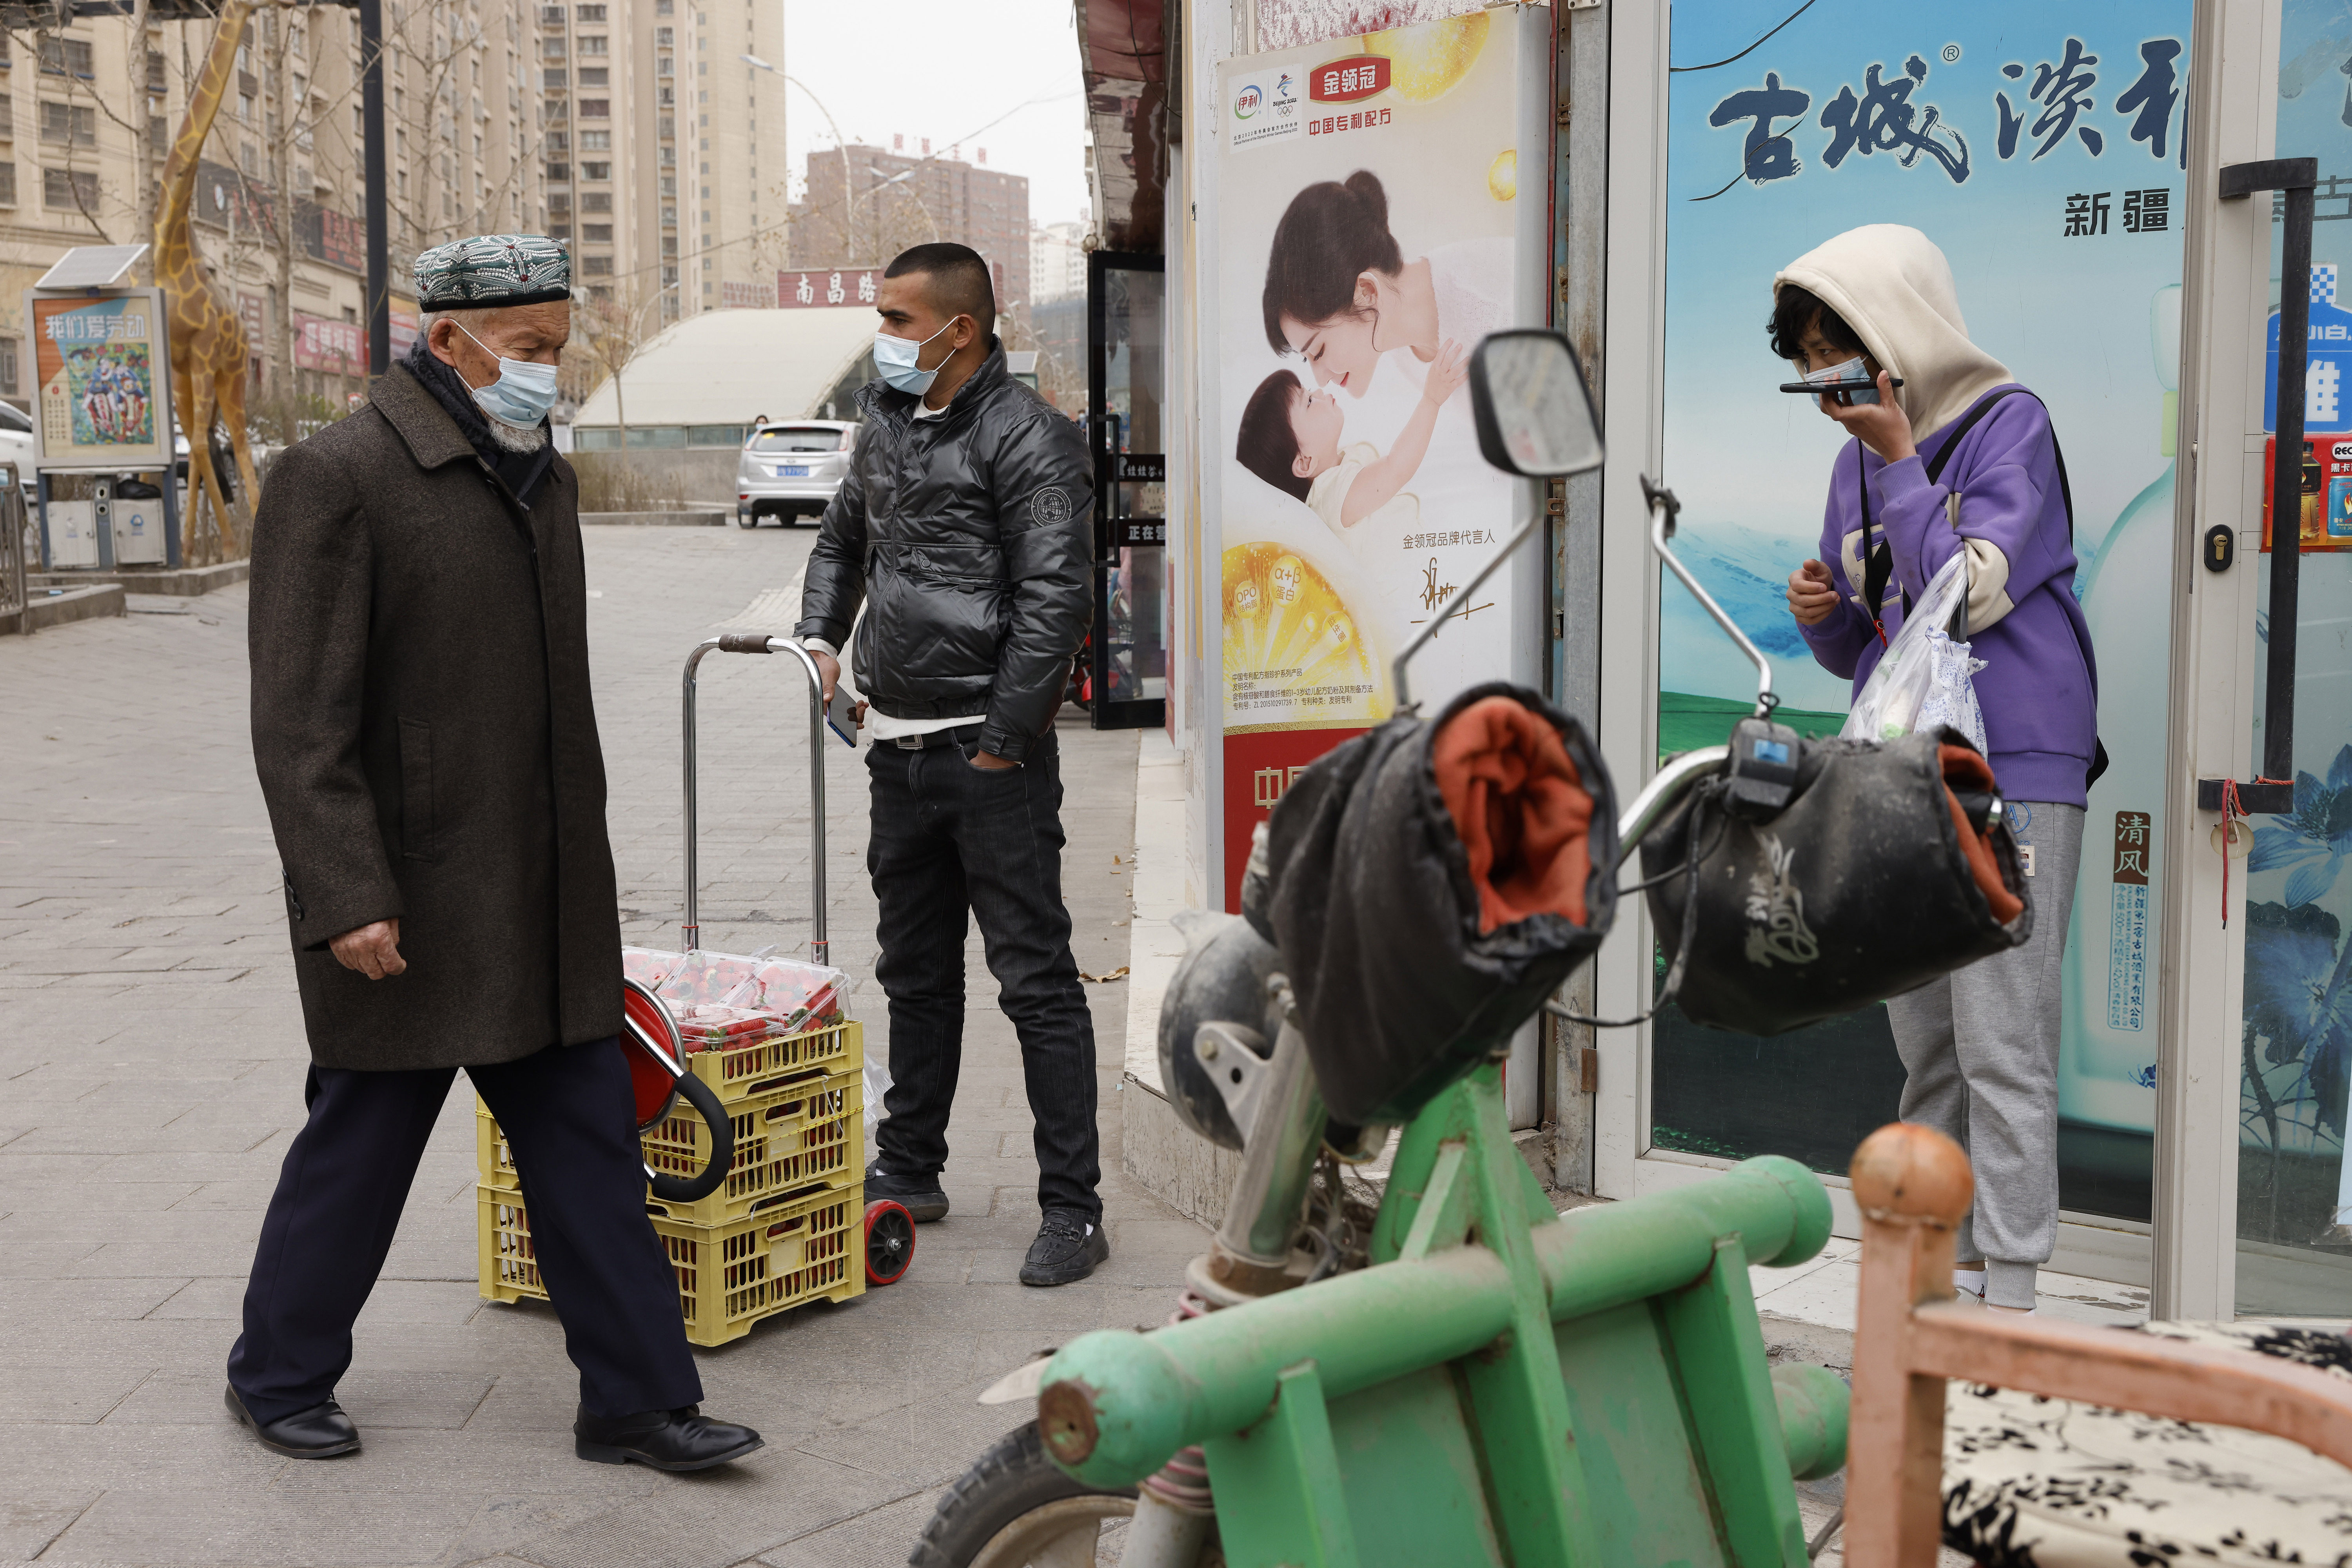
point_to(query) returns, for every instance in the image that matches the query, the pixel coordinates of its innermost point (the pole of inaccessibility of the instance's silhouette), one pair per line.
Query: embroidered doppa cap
(489, 270)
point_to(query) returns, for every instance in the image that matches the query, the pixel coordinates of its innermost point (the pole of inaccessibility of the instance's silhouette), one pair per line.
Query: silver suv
(788, 470)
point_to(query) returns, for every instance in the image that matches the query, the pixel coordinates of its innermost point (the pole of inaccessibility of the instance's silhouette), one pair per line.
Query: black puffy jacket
(969, 537)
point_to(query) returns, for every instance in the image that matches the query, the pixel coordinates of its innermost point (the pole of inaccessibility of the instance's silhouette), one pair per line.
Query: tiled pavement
(150, 1062)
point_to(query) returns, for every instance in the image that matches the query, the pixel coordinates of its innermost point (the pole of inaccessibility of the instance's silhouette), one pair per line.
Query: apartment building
(1057, 261)
(864, 204)
(655, 122)
(88, 116)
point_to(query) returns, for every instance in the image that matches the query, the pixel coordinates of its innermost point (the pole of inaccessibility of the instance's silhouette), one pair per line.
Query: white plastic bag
(876, 1078)
(1923, 679)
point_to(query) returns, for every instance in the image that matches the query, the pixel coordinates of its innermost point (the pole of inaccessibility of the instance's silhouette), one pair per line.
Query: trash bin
(138, 525)
(73, 534)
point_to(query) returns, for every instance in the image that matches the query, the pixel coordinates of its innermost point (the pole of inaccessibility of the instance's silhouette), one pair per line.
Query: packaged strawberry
(786, 995)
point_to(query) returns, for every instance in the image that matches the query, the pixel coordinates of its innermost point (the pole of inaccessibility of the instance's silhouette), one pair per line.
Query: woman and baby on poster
(1385, 466)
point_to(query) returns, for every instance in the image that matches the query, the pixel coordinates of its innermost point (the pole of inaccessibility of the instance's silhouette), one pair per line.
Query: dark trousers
(949, 838)
(570, 1118)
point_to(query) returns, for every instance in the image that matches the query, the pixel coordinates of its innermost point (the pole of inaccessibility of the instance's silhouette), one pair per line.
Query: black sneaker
(918, 1195)
(1068, 1245)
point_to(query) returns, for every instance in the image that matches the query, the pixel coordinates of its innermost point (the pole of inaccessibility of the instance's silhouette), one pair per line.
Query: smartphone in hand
(1846, 383)
(841, 716)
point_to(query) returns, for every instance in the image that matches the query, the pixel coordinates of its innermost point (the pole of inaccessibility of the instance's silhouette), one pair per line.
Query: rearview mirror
(1534, 415)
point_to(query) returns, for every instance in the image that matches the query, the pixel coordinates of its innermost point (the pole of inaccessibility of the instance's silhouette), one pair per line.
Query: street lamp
(849, 192)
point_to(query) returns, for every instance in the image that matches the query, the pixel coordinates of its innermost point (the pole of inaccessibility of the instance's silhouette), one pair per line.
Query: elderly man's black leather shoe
(680, 1439)
(321, 1432)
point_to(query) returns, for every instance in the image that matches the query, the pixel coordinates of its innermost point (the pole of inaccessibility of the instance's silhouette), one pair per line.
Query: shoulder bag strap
(1882, 560)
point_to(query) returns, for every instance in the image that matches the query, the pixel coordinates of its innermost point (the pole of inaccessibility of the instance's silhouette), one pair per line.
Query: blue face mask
(895, 357)
(523, 392)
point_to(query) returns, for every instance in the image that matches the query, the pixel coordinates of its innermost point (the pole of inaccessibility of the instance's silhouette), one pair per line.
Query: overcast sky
(944, 68)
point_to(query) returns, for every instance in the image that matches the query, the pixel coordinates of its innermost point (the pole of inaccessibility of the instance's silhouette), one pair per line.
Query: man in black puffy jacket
(965, 527)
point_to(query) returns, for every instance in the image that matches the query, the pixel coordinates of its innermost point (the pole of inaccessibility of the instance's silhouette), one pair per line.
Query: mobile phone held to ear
(1846, 391)
(841, 716)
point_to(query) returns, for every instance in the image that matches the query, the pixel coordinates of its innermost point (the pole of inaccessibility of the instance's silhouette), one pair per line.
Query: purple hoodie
(2040, 686)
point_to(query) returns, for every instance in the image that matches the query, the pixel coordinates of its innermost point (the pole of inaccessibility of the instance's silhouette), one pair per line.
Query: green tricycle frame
(1505, 1385)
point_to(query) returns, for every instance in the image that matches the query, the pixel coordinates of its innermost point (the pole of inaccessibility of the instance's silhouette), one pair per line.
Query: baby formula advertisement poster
(1381, 209)
(2040, 148)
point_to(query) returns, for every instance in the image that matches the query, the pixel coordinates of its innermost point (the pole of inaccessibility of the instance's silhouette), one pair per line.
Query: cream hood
(1893, 287)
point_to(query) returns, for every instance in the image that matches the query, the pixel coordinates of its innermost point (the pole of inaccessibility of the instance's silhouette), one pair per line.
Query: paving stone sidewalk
(151, 1071)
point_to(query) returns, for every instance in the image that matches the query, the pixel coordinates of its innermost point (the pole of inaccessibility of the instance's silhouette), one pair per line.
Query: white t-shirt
(1329, 495)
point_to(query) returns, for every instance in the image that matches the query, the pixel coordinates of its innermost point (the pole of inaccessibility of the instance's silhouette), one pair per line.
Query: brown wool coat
(426, 743)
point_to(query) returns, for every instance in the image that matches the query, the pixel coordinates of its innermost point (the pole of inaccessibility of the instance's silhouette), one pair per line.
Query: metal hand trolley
(889, 1229)
(757, 1193)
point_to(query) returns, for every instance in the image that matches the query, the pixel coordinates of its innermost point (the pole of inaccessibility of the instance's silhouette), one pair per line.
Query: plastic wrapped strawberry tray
(723, 1000)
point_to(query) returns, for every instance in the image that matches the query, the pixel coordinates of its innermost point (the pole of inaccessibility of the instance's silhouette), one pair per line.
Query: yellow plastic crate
(806, 1132)
(834, 1155)
(730, 1276)
(809, 1133)
(752, 1068)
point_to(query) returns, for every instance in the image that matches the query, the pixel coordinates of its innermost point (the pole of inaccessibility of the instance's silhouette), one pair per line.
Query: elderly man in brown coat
(423, 727)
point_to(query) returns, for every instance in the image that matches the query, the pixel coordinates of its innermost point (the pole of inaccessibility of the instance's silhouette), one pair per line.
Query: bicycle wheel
(1015, 1509)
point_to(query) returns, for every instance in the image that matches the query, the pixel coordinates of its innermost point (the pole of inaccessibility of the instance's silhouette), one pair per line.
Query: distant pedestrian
(965, 527)
(427, 748)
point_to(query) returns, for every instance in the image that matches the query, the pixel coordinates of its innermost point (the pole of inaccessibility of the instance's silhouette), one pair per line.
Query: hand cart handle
(758, 642)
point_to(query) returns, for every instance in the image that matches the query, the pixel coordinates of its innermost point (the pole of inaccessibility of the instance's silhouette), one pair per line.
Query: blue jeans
(950, 841)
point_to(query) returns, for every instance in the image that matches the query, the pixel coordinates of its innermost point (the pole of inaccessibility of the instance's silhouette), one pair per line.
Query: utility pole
(379, 226)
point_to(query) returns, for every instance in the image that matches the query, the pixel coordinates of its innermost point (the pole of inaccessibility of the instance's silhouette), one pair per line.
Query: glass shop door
(2294, 1185)
(1126, 685)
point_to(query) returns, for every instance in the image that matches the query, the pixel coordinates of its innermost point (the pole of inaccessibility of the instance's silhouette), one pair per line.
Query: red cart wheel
(889, 1241)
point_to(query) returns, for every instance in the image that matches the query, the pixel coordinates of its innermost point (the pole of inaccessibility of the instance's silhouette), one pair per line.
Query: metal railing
(16, 606)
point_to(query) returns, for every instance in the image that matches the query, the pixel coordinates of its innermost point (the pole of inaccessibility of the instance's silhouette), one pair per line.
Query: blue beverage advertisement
(2040, 148)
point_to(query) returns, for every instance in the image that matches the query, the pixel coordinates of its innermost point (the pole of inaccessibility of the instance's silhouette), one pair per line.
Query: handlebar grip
(705, 1099)
(742, 642)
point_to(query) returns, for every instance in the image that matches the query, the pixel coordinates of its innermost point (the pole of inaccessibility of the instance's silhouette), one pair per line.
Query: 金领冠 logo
(1246, 102)
(1346, 80)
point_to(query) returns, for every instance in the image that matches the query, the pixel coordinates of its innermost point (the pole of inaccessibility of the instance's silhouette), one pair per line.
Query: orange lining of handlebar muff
(1965, 767)
(1520, 808)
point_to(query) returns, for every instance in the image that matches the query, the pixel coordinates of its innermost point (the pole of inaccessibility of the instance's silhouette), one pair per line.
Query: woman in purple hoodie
(1952, 457)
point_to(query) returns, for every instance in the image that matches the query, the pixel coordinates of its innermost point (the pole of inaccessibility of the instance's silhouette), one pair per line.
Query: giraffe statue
(210, 351)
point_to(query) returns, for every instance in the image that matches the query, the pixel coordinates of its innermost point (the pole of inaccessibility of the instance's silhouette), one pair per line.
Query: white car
(787, 470)
(17, 438)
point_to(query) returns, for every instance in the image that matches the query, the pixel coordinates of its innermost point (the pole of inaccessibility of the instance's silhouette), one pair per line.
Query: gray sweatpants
(1980, 1047)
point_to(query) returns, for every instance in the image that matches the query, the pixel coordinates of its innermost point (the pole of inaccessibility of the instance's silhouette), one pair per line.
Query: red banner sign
(1260, 768)
(1346, 80)
(323, 344)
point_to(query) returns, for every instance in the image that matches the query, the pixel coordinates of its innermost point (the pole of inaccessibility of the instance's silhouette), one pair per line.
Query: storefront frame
(1609, 204)
(2188, 1256)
